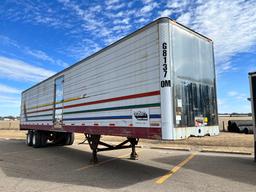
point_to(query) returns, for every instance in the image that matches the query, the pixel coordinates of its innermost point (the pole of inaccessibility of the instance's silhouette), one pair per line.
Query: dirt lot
(7, 125)
(225, 142)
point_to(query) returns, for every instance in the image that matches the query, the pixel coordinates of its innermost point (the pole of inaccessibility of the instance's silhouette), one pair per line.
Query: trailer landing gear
(94, 142)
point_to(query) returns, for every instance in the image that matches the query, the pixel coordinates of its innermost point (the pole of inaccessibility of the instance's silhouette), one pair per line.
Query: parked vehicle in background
(241, 126)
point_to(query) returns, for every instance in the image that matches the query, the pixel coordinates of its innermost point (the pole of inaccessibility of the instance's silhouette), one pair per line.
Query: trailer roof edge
(252, 73)
(157, 21)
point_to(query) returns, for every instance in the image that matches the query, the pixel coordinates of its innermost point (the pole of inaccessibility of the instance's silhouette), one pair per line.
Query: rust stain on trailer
(162, 179)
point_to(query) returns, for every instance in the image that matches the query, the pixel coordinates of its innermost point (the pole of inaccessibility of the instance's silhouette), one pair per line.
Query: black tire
(44, 138)
(36, 140)
(230, 127)
(236, 128)
(246, 130)
(29, 138)
(70, 137)
(59, 138)
(63, 138)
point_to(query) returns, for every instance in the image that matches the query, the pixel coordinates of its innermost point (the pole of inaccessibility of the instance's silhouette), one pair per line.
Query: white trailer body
(156, 83)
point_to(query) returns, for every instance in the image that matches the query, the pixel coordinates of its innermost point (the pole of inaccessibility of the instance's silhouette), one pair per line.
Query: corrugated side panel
(118, 75)
(106, 89)
(36, 103)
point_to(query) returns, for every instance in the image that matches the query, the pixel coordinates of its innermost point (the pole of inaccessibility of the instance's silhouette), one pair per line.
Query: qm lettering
(166, 83)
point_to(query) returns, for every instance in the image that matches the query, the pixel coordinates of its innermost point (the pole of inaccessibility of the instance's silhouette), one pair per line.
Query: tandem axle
(37, 139)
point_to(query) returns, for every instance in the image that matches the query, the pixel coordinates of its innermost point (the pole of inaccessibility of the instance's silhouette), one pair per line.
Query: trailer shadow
(71, 166)
(232, 167)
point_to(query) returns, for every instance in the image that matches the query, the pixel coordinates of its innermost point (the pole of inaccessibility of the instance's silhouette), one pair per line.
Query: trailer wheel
(36, 141)
(70, 137)
(246, 131)
(44, 138)
(29, 138)
(59, 138)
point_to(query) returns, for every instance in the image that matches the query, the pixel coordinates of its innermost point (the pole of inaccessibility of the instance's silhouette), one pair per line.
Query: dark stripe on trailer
(136, 132)
(108, 117)
(153, 116)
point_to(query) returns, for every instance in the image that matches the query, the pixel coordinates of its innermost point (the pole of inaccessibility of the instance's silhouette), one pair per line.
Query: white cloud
(83, 49)
(38, 54)
(45, 57)
(147, 1)
(19, 70)
(8, 89)
(165, 13)
(7, 100)
(35, 13)
(110, 2)
(142, 20)
(8, 42)
(121, 21)
(99, 26)
(178, 5)
(149, 7)
(237, 95)
(115, 7)
(10, 105)
(115, 15)
(121, 27)
(185, 18)
(232, 93)
(113, 39)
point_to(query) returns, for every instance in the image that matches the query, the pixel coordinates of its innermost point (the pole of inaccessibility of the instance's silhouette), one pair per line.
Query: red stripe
(137, 132)
(139, 95)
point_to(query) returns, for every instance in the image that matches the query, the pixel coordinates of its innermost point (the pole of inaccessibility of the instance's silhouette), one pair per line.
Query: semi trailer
(156, 83)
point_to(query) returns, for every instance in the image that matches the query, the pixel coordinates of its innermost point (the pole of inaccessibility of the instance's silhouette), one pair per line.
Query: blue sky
(40, 38)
